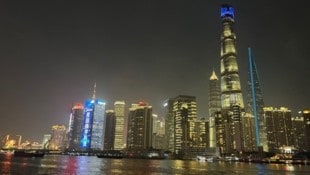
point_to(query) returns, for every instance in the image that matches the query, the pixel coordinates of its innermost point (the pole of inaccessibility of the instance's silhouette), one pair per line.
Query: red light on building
(142, 103)
(78, 106)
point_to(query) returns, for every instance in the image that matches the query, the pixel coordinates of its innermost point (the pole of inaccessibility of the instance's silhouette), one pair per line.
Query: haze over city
(53, 52)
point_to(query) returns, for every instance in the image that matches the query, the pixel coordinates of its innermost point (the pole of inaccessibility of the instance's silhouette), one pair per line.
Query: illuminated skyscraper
(185, 115)
(93, 125)
(158, 132)
(214, 106)
(230, 82)
(299, 133)
(256, 103)
(140, 127)
(279, 128)
(119, 109)
(169, 125)
(306, 115)
(231, 94)
(75, 127)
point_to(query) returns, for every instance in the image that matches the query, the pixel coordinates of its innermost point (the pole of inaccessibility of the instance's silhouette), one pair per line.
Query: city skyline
(53, 53)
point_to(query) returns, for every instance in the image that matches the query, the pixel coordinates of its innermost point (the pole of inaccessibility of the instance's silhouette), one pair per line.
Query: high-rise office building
(140, 127)
(279, 128)
(119, 110)
(93, 125)
(58, 137)
(158, 132)
(75, 127)
(256, 103)
(169, 125)
(109, 135)
(231, 94)
(299, 132)
(185, 115)
(248, 128)
(214, 106)
(306, 115)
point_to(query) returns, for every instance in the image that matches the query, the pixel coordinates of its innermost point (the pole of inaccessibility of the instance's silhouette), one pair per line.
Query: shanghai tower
(230, 82)
(231, 94)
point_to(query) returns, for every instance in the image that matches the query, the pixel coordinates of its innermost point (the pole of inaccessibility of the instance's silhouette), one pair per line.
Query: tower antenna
(94, 93)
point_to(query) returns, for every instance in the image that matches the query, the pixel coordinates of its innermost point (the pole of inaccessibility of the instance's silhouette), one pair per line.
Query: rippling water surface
(91, 165)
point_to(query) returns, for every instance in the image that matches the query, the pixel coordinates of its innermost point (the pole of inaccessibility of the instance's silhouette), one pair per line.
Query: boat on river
(28, 153)
(114, 154)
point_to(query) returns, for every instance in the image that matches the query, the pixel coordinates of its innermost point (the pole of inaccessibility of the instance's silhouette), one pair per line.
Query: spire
(94, 94)
(213, 76)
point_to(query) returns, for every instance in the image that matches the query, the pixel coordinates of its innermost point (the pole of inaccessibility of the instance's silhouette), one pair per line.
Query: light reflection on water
(91, 165)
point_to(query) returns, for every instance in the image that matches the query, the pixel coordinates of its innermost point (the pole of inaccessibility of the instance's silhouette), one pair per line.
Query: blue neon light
(227, 11)
(87, 124)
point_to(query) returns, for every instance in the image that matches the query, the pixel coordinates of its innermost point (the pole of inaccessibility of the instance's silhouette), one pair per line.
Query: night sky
(52, 53)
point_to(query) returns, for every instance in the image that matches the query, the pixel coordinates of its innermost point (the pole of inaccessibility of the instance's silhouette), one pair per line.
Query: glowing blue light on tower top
(227, 10)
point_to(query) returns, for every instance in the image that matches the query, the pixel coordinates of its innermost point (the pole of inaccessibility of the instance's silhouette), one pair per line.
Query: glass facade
(93, 125)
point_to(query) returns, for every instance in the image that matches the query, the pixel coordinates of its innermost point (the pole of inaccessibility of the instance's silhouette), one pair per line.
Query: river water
(91, 165)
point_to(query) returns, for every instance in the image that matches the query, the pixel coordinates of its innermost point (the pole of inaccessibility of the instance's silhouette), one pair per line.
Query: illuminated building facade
(169, 125)
(119, 110)
(75, 127)
(231, 94)
(299, 133)
(248, 128)
(109, 130)
(214, 106)
(58, 137)
(140, 127)
(46, 141)
(158, 132)
(201, 137)
(279, 128)
(222, 132)
(230, 82)
(185, 115)
(256, 103)
(93, 125)
(306, 115)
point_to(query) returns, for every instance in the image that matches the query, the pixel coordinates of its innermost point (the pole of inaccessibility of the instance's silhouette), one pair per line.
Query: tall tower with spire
(93, 131)
(214, 106)
(230, 82)
(231, 94)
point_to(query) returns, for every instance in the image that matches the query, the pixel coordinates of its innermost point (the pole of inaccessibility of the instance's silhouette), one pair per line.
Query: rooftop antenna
(94, 93)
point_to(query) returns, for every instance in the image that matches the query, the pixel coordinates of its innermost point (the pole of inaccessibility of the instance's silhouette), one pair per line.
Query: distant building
(119, 140)
(46, 141)
(140, 127)
(299, 133)
(306, 115)
(158, 132)
(93, 124)
(248, 128)
(58, 137)
(184, 115)
(279, 128)
(214, 106)
(169, 125)
(75, 127)
(109, 130)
